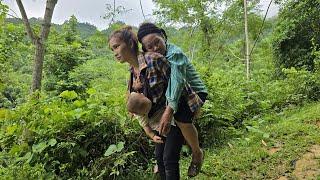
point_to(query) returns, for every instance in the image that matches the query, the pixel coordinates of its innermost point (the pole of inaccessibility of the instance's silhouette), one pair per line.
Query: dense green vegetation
(269, 150)
(77, 126)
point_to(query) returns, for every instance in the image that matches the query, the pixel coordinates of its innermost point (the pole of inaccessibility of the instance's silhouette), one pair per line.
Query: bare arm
(165, 121)
(152, 135)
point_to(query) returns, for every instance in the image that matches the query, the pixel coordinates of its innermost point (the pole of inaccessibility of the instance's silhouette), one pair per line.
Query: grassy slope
(291, 133)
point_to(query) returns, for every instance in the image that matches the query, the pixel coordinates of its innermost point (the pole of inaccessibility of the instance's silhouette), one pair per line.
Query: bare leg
(190, 134)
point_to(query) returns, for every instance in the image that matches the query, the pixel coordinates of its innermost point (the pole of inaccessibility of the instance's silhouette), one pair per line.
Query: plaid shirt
(154, 74)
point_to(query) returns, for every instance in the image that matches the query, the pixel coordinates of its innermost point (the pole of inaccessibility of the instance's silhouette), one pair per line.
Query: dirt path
(308, 166)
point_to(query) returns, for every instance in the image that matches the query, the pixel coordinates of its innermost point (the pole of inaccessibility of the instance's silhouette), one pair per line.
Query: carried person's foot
(155, 169)
(195, 166)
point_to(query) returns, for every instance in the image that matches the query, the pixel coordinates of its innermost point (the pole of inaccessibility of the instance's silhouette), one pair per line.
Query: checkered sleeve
(158, 74)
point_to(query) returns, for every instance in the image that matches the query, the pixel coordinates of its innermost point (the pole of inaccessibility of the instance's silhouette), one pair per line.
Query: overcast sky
(91, 11)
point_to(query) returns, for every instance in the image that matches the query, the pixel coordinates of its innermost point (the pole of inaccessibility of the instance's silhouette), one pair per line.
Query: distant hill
(115, 26)
(85, 29)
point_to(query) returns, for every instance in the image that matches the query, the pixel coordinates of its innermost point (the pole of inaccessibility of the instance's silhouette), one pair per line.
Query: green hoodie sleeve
(178, 64)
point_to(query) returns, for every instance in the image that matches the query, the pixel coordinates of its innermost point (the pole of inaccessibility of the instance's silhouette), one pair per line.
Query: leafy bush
(296, 34)
(69, 137)
(232, 99)
(66, 51)
(14, 70)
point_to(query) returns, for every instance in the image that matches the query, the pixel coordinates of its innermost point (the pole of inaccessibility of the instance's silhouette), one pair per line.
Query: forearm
(165, 122)
(148, 131)
(169, 111)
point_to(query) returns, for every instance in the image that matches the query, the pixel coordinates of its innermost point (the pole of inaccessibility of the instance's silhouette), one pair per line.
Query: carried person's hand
(157, 139)
(165, 122)
(164, 126)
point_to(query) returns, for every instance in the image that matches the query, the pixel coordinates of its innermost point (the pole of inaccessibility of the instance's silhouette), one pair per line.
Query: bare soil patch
(277, 147)
(273, 150)
(308, 166)
(283, 178)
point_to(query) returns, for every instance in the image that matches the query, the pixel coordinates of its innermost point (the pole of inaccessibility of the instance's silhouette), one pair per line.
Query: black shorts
(184, 114)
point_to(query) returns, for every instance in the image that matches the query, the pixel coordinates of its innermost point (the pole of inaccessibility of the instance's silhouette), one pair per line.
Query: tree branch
(14, 13)
(26, 21)
(236, 55)
(47, 19)
(10, 15)
(144, 17)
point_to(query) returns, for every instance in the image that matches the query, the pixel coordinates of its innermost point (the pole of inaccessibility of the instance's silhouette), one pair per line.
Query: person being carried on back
(185, 93)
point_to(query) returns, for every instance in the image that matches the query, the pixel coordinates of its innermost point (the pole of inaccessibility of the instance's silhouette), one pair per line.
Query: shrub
(297, 32)
(68, 136)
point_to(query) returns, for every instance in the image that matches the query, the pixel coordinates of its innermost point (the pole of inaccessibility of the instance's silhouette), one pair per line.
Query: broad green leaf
(3, 113)
(69, 95)
(29, 155)
(112, 149)
(46, 110)
(253, 129)
(38, 148)
(15, 149)
(79, 103)
(52, 142)
(83, 152)
(266, 135)
(91, 91)
(11, 129)
(120, 146)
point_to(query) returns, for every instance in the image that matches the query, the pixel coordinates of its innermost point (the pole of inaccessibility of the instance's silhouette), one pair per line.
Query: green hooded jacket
(182, 71)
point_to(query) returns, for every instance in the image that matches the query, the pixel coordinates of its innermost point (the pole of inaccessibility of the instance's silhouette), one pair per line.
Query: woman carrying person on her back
(149, 74)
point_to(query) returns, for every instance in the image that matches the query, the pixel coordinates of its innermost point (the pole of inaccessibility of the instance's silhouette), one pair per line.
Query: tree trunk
(47, 20)
(39, 42)
(247, 38)
(37, 66)
(206, 40)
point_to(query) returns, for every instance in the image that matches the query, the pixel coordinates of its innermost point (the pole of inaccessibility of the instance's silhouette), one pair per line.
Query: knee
(171, 160)
(180, 124)
(184, 124)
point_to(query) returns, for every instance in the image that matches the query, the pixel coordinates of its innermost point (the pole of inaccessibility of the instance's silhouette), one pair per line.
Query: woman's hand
(157, 139)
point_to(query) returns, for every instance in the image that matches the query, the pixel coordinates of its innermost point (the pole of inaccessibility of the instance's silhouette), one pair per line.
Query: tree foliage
(66, 51)
(3, 12)
(79, 127)
(13, 65)
(192, 13)
(213, 25)
(297, 35)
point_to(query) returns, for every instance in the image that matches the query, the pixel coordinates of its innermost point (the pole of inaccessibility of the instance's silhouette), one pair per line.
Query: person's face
(154, 43)
(120, 49)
